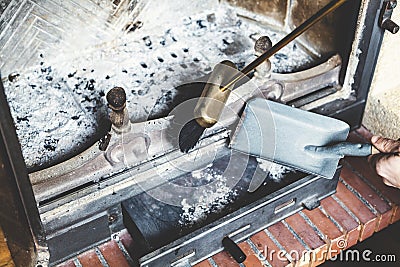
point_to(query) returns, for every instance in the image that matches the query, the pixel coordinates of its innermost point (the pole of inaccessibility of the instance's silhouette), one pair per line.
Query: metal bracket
(384, 18)
(311, 203)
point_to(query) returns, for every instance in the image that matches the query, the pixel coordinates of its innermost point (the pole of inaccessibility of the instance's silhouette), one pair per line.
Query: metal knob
(119, 116)
(384, 19)
(262, 45)
(116, 98)
(392, 4)
(390, 26)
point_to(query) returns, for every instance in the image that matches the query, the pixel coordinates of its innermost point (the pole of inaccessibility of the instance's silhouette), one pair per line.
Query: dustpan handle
(343, 149)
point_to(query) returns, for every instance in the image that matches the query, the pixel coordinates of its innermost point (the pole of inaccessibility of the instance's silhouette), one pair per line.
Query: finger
(388, 168)
(381, 163)
(388, 183)
(385, 145)
(373, 159)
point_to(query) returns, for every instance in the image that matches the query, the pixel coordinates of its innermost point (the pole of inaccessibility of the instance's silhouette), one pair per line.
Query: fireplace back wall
(52, 27)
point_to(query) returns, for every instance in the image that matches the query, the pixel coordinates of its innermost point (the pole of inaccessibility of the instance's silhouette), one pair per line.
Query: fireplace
(73, 178)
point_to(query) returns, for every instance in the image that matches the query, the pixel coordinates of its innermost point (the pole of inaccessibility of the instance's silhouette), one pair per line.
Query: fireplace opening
(59, 61)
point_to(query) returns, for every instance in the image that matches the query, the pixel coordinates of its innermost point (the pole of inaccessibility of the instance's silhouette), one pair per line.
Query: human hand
(387, 165)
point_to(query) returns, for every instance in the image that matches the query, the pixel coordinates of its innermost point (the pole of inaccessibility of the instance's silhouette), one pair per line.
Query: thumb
(388, 183)
(385, 145)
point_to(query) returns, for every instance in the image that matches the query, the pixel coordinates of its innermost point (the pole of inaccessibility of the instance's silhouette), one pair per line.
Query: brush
(209, 106)
(216, 92)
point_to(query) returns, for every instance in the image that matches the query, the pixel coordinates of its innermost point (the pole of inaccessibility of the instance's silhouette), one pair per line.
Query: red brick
(385, 220)
(364, 190)
(367, 218)
(127, 241)
(269, 249)
(396, 215)
(223, 259)
(364, 168)
(361, 165)
(310, 237)
(355, 137)
(113, 255)
(90, 259)
(365, 133)
(380, 205)
(390, 193)
(251, 258)
(350, 227)
(67, 264)
(205, 263)
(324, 224)
(289, 242)
(328, 228)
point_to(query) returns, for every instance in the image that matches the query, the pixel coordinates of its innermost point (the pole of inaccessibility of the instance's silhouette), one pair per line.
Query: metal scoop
(295, 138)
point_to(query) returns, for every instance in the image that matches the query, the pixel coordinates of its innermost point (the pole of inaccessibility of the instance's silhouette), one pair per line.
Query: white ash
(276, 172)
(49, 118)
(202, 174)
(59, 105)
(211, 200)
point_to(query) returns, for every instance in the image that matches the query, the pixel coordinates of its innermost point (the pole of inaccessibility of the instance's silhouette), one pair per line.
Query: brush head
(190, 135)
(204, 111)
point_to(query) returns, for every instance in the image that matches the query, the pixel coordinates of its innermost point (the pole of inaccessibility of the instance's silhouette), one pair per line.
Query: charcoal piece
(147, 41)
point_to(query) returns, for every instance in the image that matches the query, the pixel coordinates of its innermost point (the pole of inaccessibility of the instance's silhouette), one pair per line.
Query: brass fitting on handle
(212, 100)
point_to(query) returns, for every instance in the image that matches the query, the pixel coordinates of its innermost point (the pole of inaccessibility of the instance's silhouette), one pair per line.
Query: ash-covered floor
(59, 106)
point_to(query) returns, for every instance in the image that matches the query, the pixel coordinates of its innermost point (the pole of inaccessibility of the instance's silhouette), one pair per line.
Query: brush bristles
(190, 135)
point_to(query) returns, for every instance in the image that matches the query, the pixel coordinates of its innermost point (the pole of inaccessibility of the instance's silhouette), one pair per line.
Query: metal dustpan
(295, 138)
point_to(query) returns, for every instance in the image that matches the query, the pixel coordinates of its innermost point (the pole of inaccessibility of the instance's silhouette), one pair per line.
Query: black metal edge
(349, 111)
(79, 238)
(370, 47)
(84, 234)
(140, 243)
(352, 114)
(19, 215)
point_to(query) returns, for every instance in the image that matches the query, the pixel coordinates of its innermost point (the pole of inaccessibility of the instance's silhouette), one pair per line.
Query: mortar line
(296, 235)
(287, 255)
(346, 209)
(332, 219)
(77, 262)
(101, 257)
(315, 228)
(13, 18)
(259, 254)
(212, 262)
(362, 177)
(123, 249)
(359, 196)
